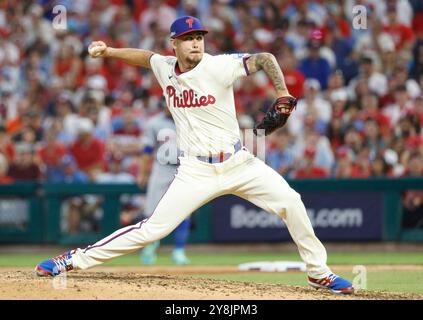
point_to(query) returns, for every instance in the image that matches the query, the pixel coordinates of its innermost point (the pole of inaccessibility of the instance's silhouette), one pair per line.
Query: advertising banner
(334, 216)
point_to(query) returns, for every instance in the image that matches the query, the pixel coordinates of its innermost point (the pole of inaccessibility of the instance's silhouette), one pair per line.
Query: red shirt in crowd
(24, 173)
(8, 150)
(88, 154)
(52, 156)
(313, 172)
(294, 80)
(383, 121)
(6, 180)
(418, 22)
(342, 25)
(400, 34)
(125, 131)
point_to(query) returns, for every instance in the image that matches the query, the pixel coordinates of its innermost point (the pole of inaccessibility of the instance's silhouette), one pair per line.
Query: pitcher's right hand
(97, 49)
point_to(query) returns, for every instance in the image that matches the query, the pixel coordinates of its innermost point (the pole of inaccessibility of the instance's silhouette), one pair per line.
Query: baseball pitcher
(198, 89)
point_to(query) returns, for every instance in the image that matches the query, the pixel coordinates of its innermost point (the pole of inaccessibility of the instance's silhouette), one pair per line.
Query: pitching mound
(164, 283)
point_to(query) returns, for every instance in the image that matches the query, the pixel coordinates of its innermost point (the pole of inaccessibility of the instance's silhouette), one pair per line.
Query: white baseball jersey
(202, 101)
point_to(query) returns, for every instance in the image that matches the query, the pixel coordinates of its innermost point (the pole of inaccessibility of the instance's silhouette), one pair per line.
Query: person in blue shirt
(315, 66)
(282, 158)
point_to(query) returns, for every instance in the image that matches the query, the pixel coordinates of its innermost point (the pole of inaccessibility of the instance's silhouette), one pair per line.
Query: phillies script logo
(187, 99)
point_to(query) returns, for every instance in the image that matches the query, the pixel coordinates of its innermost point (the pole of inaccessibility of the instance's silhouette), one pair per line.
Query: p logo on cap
(185, 25)
(190, 22)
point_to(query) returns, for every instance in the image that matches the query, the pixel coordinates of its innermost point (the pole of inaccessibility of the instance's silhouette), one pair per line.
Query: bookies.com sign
(334, 216)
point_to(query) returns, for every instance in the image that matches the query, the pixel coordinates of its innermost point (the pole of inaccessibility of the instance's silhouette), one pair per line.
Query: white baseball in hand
(97, 49)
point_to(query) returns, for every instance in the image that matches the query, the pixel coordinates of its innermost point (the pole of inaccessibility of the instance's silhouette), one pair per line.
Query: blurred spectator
(298, 36)
(336, 84)
(353, 139)
(282, 157)
(351, 118)
(324, 157)
(417, 63)
(250, 96)
(311, 103)
(4, 166)
(313, 65)
(362, 163)
(65, 113)
(335, 133)
(6, 147)
(23, 166)
(127, 133)
(413, 199)
(370, 110)
(418, 104)
(345, 166)
(376, 81)
(68, 66)
(87, 150)
(51, 153)
(294, 79)
(99, 116)
(307, 168)
(335, 20)
(372, 138)
(159, 11)
(401, 33)
(338, 100)
(403, 8)
(401, 106)
(115, 172)
(401, 77)
(67, 172)
(417, 21)
(397, 155)
(310, 10)
(379, 168)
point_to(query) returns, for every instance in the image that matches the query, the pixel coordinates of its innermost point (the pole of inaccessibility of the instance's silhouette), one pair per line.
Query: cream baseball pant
(195, 184)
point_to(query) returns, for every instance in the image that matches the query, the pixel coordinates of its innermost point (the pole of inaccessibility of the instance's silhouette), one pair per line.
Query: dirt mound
(172, 283)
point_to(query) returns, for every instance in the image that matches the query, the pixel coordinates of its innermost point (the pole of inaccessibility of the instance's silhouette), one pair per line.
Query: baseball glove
(277, 115)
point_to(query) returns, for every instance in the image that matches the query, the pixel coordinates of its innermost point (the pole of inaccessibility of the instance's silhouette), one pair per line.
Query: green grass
(227, 259)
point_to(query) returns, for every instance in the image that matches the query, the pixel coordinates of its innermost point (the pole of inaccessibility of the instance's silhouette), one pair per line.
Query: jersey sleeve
(158, 64)
(230, 67)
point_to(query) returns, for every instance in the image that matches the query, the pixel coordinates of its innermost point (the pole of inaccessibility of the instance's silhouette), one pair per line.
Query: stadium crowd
(67, 117)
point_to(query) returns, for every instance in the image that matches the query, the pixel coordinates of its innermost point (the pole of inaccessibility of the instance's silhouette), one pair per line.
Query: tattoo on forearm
(267, 62)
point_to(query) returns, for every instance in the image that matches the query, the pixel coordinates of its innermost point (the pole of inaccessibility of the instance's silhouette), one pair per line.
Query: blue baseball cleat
(55, 266)
(333, 283)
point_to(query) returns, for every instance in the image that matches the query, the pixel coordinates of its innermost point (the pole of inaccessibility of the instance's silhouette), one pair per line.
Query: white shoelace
(62, 262)
(332, 277)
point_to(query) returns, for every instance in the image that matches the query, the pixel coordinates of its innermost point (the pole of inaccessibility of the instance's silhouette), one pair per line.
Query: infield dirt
(164, 283)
